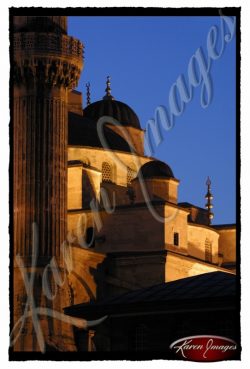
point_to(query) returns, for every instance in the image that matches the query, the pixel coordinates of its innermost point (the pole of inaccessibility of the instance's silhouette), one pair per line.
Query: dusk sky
(144, 57)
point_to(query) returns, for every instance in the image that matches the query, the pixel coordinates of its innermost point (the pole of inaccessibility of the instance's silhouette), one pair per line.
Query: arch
(107, 172)
(90, 237)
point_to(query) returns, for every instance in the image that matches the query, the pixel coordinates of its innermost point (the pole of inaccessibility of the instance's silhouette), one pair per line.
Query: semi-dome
(113, 108)
(156, 169)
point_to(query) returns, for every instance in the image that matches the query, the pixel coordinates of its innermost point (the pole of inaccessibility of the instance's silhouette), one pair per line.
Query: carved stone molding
(49, 43)
(45, 71)
(46, 59)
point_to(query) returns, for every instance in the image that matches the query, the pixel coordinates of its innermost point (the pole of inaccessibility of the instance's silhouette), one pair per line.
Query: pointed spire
(88, 93)
(108, 95)
(209, 198)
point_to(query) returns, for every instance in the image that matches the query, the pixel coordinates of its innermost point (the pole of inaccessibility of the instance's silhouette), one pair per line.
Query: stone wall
(203, 241)
(176, 222)
(119, 161)
(227, 244)
(180, 266)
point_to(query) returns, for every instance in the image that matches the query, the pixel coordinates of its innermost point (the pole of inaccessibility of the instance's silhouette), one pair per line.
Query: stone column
(40, 162)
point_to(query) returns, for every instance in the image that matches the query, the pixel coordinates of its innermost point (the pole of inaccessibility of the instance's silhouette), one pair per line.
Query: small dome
(115, 109)
(156, 169)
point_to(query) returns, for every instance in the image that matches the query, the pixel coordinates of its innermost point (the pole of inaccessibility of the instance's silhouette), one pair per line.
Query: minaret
(47, 65)
(88, 93)
(209, 198)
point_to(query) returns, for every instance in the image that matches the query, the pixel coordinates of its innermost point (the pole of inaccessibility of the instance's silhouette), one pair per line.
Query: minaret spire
(88, 93)
(108, 95)
(209, 198)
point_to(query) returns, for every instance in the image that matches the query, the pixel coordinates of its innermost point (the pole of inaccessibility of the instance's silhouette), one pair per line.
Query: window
(106, 172)
(131, 174)
(208, 250)
(176, 239)
(90, 237)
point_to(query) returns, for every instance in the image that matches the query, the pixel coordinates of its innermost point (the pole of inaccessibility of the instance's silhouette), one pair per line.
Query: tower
(47, 65)
(209, 198)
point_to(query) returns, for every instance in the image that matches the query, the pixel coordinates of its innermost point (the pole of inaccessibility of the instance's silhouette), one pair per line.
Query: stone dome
(82, 132)
(156, 169)
(115, 109)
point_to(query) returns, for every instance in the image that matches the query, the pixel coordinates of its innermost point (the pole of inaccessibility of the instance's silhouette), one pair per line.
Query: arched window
(106, 172)
(131, 174)
(90, 237)
(208, 250)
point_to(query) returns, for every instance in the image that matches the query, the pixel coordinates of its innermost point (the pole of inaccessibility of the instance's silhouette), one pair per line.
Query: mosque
(89, 185)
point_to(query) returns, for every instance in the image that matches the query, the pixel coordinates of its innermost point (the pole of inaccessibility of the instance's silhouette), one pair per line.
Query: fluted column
(40, 163)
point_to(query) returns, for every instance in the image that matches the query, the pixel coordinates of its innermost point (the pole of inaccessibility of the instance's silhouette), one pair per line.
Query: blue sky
(144, 56)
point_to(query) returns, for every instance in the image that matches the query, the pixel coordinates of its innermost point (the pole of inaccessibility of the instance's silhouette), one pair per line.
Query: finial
(209, 204)
(208, 182)
(88, 93)
(108, 95)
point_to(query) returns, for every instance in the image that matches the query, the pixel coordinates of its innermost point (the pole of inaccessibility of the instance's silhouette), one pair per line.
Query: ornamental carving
(46, 59)
(48, 43)
(45, 71)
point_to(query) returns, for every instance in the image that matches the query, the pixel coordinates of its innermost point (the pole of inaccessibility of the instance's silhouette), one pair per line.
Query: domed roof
(115, 109)
(82, 132)
(156, 169)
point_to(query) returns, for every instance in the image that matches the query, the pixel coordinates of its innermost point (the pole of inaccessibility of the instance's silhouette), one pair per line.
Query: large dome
(115, 109)
(156, 169)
